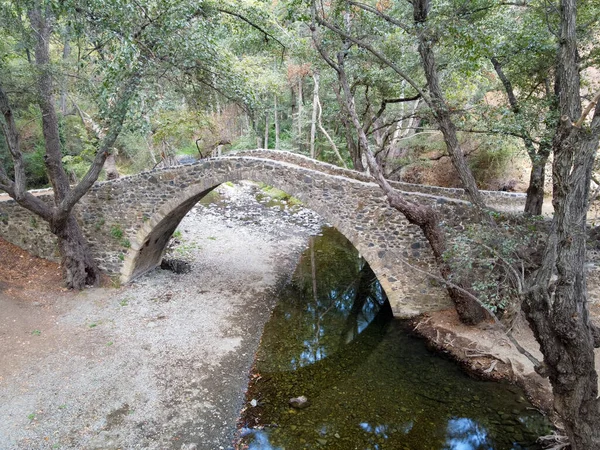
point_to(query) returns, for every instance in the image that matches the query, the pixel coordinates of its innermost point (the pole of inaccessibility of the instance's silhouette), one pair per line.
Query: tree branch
(497, 321)
(382, 15)
(587, 110)
(252, 24)
(320, 49)
(378, 55)
(118, 117)
(381, 110)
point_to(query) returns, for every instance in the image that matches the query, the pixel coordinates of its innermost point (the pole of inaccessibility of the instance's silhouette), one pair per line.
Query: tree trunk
(267, 130)
(439, 106)
(110, 166)
(537, 176)
(64, 84)
(53, 158)
(558, 311)
(313, 122)
(300, 113)
(353, 147)
(276, 119)
(327, 136)
(216, 96)
(557, 308)
(537, 179)
(78, 266)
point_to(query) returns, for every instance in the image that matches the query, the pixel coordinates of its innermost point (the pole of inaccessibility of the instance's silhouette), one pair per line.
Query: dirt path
(160, 364)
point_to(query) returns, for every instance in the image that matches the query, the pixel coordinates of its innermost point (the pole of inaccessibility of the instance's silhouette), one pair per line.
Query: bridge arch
(150, 242)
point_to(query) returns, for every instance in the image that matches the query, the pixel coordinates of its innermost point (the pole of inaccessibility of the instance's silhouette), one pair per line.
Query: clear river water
(369, 384)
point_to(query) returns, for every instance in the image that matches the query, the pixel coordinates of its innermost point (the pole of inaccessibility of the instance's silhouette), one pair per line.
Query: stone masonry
(129, 221)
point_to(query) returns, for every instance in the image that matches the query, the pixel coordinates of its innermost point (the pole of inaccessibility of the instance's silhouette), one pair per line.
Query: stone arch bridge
(129, 221)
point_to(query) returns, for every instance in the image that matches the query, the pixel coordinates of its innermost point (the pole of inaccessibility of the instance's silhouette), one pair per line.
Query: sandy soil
(159, 364)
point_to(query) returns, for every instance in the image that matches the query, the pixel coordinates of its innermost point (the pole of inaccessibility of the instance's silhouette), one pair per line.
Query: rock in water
(299, 402)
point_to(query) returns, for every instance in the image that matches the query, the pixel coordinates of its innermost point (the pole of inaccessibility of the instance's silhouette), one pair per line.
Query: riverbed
(161, 363)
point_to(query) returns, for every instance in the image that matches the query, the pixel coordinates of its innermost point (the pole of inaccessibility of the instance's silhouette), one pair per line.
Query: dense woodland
(482, 94)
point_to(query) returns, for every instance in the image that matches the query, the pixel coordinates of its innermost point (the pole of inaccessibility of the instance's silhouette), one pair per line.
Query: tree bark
(110, 166)
(353, 147)
(537, 179)
(64, 86)
(78, 266)
(42, 25)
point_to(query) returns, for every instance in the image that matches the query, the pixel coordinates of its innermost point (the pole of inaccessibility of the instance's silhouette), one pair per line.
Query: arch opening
(152, 240)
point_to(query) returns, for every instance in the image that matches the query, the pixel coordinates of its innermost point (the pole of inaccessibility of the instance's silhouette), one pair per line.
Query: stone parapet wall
(494, 199)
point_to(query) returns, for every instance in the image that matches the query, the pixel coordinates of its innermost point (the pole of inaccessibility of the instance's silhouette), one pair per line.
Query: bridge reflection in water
(369, 384)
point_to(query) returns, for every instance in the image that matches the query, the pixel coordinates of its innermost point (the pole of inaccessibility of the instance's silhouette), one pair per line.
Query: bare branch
(385, 17)
(382, 108)
(587, 110)
(378, 55)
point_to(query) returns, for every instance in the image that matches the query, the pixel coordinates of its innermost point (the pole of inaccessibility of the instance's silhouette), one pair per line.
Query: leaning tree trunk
(78, 266)
(438, 104)
(425, 217)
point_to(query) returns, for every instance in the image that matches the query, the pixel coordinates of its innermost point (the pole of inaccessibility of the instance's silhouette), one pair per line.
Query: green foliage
(244, 142)
(116, 231)
(491, 258)
(99, 223)
(35, 168)
(492, 159)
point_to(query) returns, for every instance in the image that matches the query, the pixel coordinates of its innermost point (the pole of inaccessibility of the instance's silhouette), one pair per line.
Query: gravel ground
(161, 363)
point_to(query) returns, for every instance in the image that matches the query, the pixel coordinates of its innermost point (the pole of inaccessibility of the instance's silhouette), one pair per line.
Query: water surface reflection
(370, 385)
